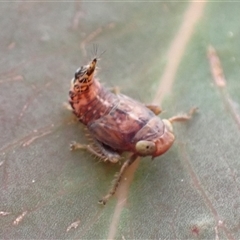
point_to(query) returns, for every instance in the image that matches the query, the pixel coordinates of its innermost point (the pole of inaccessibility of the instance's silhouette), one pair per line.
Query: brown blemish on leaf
(19, 218)
(73, 225)
(216, 67)
(28, 139)
(11, 45)
(77, 16)
(12, 79)
(31, 140)
(2, 213)
(36, 93)
(89, 38)
(221, 82)
(204, 195)
(93, 35)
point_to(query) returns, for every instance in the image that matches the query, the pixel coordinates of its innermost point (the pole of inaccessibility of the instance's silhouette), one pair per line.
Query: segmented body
(116, 120)
(92, 103)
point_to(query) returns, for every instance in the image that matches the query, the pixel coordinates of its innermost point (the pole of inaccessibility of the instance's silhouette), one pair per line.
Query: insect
(117, 123)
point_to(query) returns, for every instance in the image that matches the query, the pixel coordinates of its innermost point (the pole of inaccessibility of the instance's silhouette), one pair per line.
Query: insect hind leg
(183, 117)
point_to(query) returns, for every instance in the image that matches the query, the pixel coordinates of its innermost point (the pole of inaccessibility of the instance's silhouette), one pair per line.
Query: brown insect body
(115, 120)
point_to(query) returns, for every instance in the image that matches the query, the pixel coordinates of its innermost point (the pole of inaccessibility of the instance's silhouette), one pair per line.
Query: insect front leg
(118, 178)
(98, 150)
(183, 117)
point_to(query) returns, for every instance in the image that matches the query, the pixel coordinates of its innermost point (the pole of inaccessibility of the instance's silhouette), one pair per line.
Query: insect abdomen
(92, 104)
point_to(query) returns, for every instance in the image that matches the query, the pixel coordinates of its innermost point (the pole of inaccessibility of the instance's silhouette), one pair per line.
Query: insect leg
(154, 108)
(98, 150)
(183, 117)
(118, 178)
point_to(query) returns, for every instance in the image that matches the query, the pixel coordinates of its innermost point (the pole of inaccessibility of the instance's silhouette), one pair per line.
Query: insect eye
(145, 148)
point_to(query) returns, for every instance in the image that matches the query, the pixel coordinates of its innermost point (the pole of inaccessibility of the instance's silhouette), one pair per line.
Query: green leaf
(156, 52)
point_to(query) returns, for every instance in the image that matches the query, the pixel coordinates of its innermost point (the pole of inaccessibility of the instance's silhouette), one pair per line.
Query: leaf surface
(157, 52)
